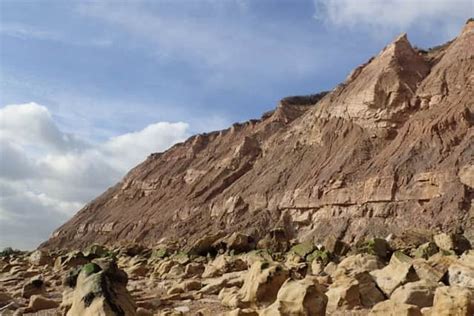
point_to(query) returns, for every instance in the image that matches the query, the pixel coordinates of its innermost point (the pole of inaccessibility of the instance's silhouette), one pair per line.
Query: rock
(452, 242)
(185, 286)
(355, 264)
(261, 284)
(461, 275)
(238, 243)
(38, 303)
(343, 294)
(426, 250)
(143, 312)
(298, 297)
(349, 292)
(194, 269)
(242, 312)
(453, 301)
(321, 256)
(435, 268)
(138, 267)
(70, 260)
(214, 286)
(40, 258)
(378, 247)
(391, 308)
(176, 272)
(224, 264)
(35, 286)
(419, 293)
(5, 298)
(335, 246)
(204, 245)
(276, 240)
(96, 251)
(100, 290)
(230, 297)
(398, 272)
(303, 249)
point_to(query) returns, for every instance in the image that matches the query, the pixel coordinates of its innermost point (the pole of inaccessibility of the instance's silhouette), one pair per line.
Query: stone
(238, 243)
(453, 301)
(461, 275)
(241, 312)
(38, 303)
(70, 260)
(138, 267)
(34, 286)
(377, 246)
(398, 272)
(224, 264)
(194, 269)
(419, 293)
(392, 308)
(214, 286)
(359, 263)
(452, 242)
(343, 294)
(143, 312)
(262, 283)
(298, 297)
(302, 249)
(426, 250)
(40, 258)
(100, 289)
(335, 246)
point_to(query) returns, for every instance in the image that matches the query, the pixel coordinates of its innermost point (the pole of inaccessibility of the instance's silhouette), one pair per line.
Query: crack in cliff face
(383, 152)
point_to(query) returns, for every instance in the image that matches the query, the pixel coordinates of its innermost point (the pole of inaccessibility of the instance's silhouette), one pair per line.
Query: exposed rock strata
(389, 150)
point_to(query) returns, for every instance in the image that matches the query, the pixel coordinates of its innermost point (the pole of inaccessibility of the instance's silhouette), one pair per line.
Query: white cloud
(46, 175)
(431, 15)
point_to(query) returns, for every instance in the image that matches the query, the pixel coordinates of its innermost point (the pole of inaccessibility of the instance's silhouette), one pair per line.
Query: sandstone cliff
(389, 150)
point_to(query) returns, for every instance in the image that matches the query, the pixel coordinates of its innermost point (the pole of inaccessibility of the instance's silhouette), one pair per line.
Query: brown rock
(420, 293)
(453, 301)
(392, 308)
(38, 303)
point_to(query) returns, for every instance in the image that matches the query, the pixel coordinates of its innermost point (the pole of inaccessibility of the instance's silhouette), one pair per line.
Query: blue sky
(105, 76)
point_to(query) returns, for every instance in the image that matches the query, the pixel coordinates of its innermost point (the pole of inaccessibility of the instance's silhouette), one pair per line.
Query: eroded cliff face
(389, 150)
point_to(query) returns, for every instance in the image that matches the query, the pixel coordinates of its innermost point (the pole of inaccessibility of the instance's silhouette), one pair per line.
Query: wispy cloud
(29, 32)
(224, 46)
(444, 16)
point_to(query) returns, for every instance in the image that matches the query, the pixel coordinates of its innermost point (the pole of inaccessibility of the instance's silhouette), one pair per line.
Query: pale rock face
(38, 303)
(398, 272)
(379, 92)
(454, 301)
(419, 293)
(298, 297)
(392, 308)
(99, 290)
(262, 283)
(461, 275)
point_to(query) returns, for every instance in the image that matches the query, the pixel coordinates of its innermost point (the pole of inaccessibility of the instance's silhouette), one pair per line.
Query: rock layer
(388, 151)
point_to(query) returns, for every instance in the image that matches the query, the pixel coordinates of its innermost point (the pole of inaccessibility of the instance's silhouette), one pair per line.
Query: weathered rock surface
(388, 151)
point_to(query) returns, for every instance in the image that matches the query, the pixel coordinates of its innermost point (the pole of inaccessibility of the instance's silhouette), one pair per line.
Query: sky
(88, 89)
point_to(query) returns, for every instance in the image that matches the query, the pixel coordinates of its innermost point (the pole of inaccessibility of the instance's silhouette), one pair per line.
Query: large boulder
(260, 287)
(70, 260)
(452, 243)
(38, 303)
(224, 264)
(349, 292)
(40, 258)
(453, 301)
(298, 297)
(398, 272)
(355, 264)
(392, 308)
(33, 286)
(419, 293)
(98, 289)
